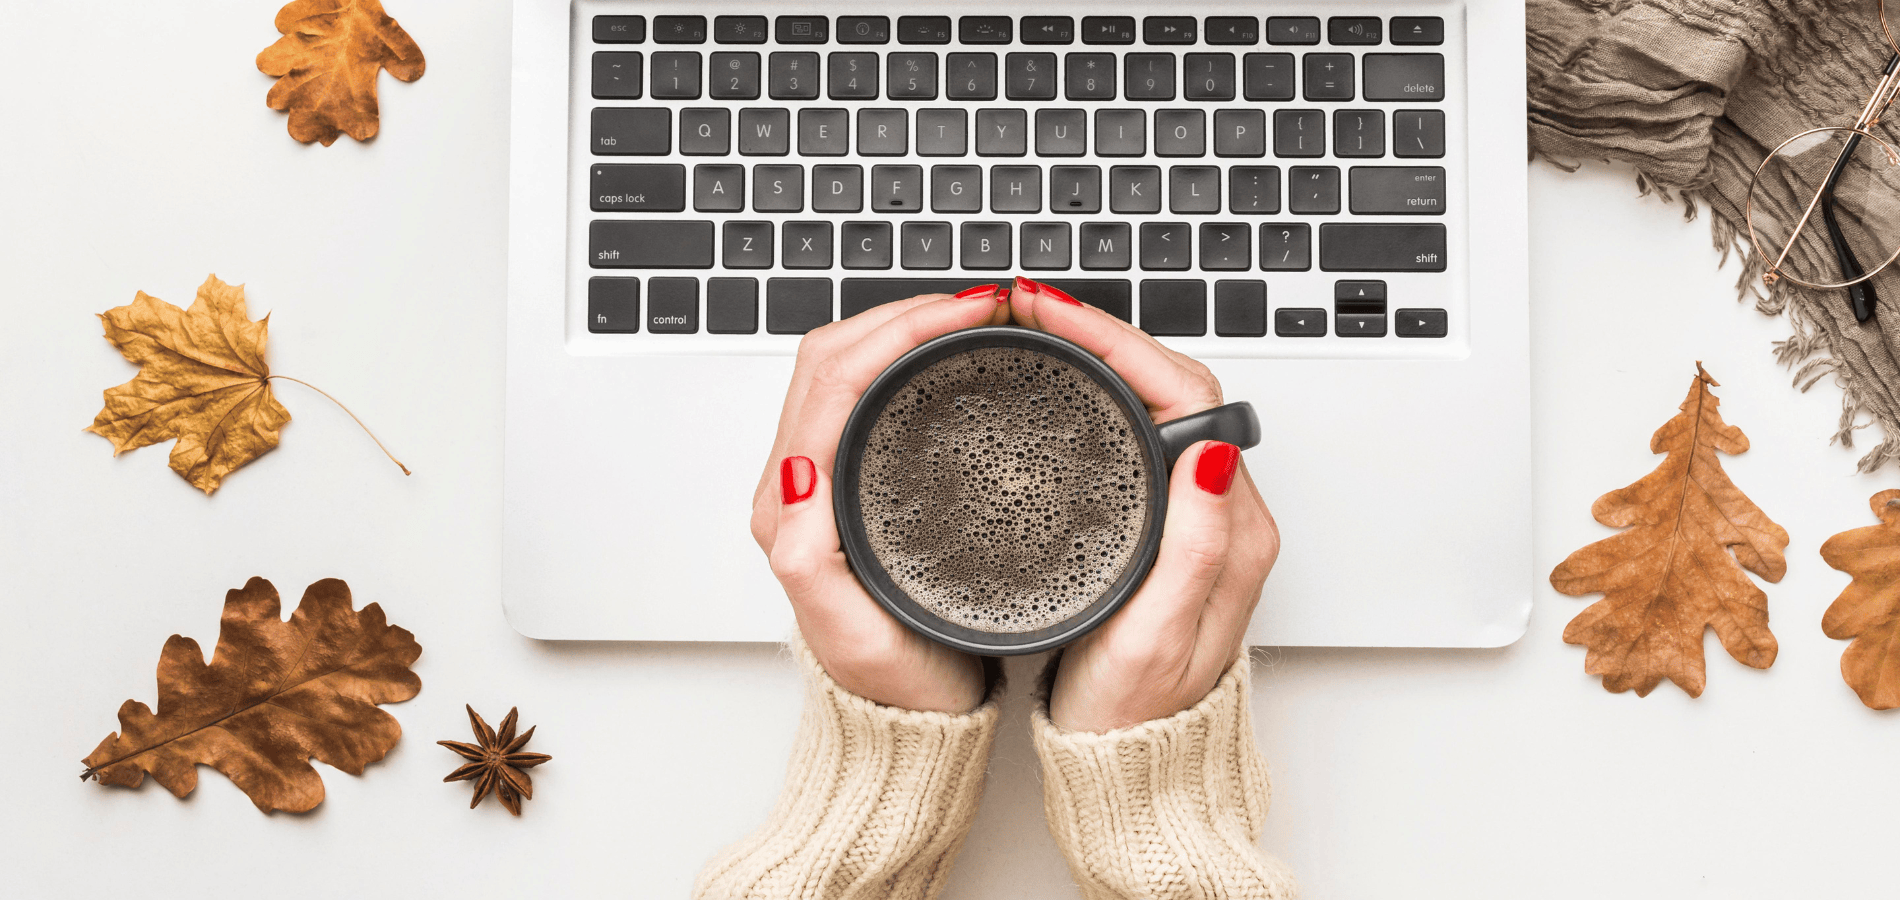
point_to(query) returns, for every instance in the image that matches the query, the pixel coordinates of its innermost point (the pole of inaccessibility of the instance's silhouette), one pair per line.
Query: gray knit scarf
(1693, 93)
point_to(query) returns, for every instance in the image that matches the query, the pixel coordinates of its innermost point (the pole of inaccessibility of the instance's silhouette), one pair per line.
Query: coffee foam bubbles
(1003, 489)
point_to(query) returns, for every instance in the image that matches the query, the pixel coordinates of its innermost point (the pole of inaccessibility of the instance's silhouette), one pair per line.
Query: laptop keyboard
(1237, 184)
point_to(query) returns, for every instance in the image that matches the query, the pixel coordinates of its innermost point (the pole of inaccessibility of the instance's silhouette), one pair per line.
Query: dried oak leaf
(327, 62)
(275, 695)
(1868, 610)
(202, 380)
(1675, 571)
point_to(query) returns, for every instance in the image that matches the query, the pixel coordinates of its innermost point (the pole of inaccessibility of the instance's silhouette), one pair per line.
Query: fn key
(613, 305)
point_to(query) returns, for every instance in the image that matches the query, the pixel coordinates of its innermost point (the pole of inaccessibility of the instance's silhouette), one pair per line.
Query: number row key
(855, 75)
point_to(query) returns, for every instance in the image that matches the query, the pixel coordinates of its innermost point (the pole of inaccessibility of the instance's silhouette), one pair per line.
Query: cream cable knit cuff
(1165, 809)
(876, 802)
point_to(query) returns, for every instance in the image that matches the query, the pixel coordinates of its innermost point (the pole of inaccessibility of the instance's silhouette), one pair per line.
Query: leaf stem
(359, 422)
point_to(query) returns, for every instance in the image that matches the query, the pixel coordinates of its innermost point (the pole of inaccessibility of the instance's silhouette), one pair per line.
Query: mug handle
(1234, 423)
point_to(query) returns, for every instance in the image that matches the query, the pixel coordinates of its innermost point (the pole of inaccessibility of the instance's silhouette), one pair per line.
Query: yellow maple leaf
(202, 381)
(327, 62)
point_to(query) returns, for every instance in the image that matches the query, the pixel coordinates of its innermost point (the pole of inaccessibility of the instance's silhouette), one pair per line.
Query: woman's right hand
(861, 647)
(1168, 647)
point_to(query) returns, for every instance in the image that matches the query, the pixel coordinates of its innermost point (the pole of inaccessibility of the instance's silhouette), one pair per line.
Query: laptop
(1324, 201)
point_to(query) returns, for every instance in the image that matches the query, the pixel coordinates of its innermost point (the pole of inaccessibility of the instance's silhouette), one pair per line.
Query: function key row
(1157, 30)
(1177, 133)
(1171, 307)
(862, 75)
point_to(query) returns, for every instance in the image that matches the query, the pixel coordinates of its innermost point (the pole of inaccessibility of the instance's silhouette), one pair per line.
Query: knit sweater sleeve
(1165, 809)
(876, 802)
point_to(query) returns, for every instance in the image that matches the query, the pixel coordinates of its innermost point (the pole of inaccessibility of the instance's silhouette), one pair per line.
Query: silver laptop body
(1325, 201)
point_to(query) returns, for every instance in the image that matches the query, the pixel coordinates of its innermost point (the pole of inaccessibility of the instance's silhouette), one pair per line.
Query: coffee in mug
(1000, 490)
(1003, 489)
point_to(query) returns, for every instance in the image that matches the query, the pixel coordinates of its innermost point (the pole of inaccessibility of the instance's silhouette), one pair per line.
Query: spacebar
(859, 294)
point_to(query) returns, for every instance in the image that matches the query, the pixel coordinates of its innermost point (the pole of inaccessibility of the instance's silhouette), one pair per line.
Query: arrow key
(1367, 292)
(1422, 323)
(1360, 325)
(1299, 322)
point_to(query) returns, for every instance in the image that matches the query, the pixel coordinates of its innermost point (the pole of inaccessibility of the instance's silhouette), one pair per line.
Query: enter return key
(1398, 190)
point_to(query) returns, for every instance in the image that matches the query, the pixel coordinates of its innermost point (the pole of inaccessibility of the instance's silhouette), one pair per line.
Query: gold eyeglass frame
(1883, 96)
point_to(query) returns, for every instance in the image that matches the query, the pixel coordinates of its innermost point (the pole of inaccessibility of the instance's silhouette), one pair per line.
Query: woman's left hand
(860, 646)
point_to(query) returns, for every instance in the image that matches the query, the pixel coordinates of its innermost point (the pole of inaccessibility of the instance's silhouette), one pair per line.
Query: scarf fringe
(1806, 351)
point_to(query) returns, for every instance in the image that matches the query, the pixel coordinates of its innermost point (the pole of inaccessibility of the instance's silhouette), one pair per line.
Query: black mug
(1234, 423)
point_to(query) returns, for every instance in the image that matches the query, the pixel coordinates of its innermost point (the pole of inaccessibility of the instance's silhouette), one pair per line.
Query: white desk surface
(137, 155)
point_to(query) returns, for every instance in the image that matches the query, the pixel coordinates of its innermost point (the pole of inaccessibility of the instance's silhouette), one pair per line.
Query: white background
(136, 154)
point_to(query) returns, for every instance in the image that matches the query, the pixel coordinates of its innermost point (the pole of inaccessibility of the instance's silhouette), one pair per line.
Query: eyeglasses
(1853, 178)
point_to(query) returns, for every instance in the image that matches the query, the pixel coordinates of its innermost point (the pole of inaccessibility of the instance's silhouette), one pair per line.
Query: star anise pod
(497, 763)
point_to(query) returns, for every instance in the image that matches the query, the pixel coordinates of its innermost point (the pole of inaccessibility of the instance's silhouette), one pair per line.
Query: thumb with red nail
(1176, 637)
(857, 643)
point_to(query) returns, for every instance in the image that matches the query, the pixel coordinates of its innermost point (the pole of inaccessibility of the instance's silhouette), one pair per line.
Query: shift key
(650, 244)
(657, 187)
(1353, 247)
(1398, 190)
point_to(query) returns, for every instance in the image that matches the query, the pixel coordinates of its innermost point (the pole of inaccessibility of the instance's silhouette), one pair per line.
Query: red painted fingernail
(1215, 470)
(1056, 293)
(1050, 291)
(797, 476)
(1002, 295)
(981, 290)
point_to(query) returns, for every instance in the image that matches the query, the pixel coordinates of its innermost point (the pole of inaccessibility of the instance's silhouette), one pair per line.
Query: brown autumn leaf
(327, 62)
(275, 696)
(202, 381)
(1868, 610)
(1679, 567)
